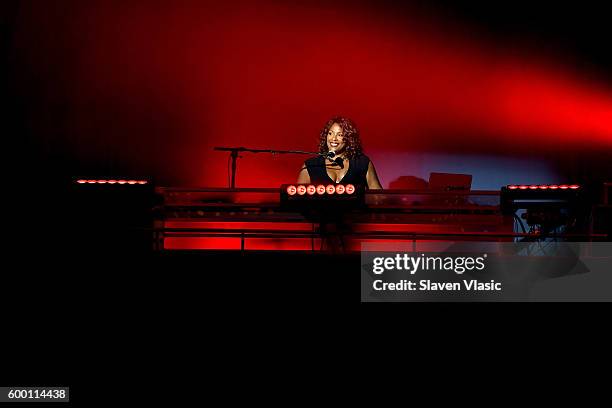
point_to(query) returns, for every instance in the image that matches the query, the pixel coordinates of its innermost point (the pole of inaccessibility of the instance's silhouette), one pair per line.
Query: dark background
(510, 91)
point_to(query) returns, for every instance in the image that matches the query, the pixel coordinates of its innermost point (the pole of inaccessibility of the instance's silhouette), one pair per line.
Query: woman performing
(348, 164)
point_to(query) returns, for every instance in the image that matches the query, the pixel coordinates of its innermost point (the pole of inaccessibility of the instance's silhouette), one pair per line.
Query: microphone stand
(330, 155)
(235, 150)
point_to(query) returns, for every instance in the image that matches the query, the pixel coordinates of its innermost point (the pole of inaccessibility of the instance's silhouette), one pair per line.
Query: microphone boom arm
(235, 150)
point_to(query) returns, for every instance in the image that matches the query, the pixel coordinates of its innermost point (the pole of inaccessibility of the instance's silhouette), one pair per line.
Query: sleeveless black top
(356, 174)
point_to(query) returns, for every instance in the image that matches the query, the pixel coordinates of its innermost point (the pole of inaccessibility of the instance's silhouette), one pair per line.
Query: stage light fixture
(543, 187)
(111, 181)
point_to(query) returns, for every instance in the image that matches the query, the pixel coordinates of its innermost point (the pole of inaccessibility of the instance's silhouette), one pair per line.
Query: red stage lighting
(330, 189)
(311, 189)
(544, 187)
(301, 189)
(340, 189)
(320, 189)
(350, 189)
(291, 190)
(111, 181)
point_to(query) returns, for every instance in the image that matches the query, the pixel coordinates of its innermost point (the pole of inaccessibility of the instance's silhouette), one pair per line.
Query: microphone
(339, 161)
(330, 155)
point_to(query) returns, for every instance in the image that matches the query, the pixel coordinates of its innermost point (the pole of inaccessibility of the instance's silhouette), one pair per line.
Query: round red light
(320, 189)
(112, 181)
(563, 187)
(350, 189)
(311, 189)
(291, 190)
(140, 182)
(553, 187)
(523, 187)
(533, 187)
(512, 187)
(102, 181)
(543, 187)
(122, 181)
(574, 186)
(340, 189)
(91, 181)
(330, 189)
(301, 190)
(81, 181)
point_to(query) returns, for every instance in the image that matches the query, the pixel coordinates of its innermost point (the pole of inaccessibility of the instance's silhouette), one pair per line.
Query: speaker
(115, 216)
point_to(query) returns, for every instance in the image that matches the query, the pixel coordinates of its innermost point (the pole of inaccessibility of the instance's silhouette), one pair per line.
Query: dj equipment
(547, 208)
(284, 219)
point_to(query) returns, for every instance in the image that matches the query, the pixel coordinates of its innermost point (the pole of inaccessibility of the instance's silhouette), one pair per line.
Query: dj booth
(332, 218)
(247, 219)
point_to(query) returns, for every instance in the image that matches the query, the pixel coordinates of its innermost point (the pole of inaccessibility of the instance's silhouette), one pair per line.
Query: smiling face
(341, 136)
(335, 139)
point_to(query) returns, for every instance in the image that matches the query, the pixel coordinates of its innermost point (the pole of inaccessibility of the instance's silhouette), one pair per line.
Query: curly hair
(350, 135)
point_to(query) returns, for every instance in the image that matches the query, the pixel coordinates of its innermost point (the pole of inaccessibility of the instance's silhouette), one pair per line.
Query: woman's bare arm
(304, 177)
(372, 178)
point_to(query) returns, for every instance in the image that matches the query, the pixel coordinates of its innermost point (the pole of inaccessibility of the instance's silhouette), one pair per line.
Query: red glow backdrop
(151, 89)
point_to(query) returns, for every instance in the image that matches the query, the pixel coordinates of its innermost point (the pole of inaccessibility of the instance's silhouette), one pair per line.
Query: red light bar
(543, 186)
(305, 189)
(111, 181)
